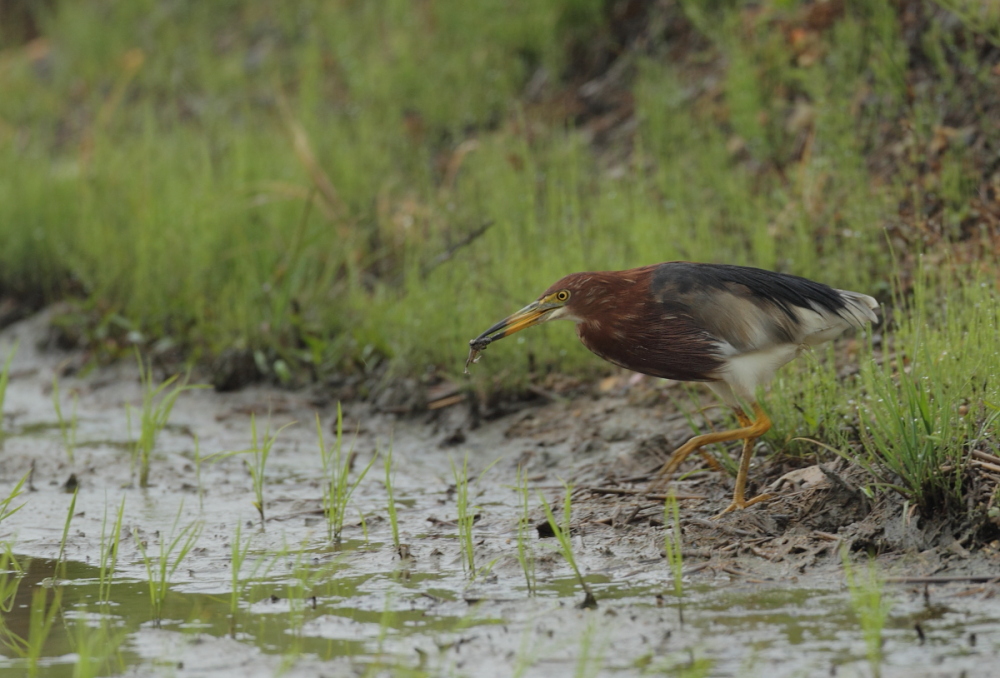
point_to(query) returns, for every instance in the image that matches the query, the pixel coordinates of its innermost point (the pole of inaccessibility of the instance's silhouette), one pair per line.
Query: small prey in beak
(532, 314)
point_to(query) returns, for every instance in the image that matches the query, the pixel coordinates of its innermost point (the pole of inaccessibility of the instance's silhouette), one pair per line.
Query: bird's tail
(859, 309)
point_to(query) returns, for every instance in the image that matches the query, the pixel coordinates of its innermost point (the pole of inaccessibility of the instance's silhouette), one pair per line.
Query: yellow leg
(739, 502)
(750, 430)
(744, 421)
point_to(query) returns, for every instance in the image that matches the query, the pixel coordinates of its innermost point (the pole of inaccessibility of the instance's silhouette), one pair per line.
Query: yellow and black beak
(532, 314)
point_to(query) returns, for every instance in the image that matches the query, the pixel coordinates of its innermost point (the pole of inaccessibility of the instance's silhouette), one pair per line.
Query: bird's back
(751, 309)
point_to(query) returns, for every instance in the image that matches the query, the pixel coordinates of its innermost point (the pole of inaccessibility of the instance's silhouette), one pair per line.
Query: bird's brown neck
(623, 323)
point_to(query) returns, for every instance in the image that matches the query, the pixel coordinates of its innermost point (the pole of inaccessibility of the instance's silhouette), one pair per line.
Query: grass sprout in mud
(259, 451)
(467, 515)
(110, 549)
(337, 487)
(157, 403)
(66, 428)
(6, 510)
(4, 380)
(673, 548)
(391, 503)
(561, 531)
(65, 533)
(871, 608)
(173, 548)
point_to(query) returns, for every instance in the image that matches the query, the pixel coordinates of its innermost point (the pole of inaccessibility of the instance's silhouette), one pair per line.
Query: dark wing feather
(749, 308)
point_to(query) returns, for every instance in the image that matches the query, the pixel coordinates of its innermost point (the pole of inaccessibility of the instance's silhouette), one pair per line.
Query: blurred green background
(345, 185)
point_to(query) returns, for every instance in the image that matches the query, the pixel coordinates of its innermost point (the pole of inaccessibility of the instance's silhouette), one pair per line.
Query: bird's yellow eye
(562, 295)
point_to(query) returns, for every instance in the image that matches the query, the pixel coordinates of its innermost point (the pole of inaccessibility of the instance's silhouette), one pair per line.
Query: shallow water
(407, 620)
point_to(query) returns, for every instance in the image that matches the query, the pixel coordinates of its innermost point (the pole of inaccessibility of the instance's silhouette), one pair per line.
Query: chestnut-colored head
(580, 297)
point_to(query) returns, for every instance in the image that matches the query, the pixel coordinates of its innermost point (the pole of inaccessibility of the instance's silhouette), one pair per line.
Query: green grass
(259, 452)
(5, 504)
(173, 548)
(673, 547)
(391, 503)
(10, 580)
(337, 486)
(561, 531)
(917, 403)
(870, 606)
(67, 429)
(525, 552)
(238, 555)
(108, 560)
(591, 656)
(4, 380)
(97, 647)
(65, 533)
(295, 201)
(42, 614)
(157, 404)
(937, 391)
(466, 516)
(309, 198)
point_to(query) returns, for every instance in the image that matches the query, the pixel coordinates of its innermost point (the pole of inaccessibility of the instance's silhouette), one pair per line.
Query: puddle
(311, 609)
(417, 619)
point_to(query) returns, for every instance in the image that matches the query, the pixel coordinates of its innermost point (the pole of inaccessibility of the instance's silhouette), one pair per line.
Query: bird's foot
(743, 503)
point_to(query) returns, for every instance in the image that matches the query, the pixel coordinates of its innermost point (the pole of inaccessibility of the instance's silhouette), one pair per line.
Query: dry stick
(649, 474)
(971, 579)
(450, 252)
(985, 456)
(985, 465)
(642, 493)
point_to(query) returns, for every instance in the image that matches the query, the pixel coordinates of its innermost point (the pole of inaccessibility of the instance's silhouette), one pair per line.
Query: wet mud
(764, 589)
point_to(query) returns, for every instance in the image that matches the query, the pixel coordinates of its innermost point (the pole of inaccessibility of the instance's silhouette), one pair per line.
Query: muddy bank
(764, 588)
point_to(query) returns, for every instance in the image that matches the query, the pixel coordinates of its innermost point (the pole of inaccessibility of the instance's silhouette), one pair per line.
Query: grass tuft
(337, 487)
(157, 403)
(391, 503)
(931, 392)
(525, 552)
(67, 429)
(673, 547)
(466, 516)
(173, 549)
(110, 545)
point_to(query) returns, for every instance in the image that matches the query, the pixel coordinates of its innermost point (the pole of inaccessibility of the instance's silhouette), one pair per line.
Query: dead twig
(639, 493)
(986, 456)
(452, 249)
(986, 465)
(970, 579)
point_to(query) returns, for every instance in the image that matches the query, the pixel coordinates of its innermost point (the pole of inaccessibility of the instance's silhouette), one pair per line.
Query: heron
(730, 327)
